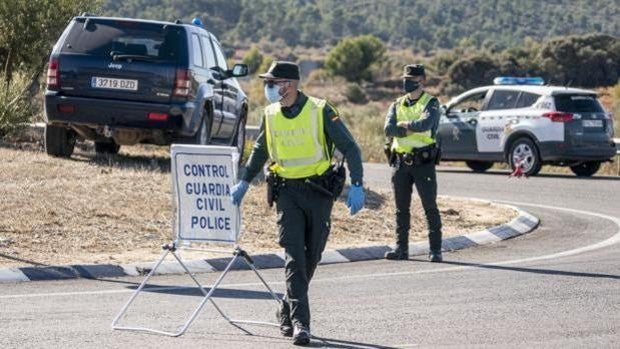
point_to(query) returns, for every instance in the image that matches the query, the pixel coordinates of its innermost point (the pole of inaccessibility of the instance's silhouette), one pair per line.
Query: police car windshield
(109, 38)
(577, 103)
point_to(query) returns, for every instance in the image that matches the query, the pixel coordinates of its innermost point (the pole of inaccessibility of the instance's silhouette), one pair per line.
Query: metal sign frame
(178, 244)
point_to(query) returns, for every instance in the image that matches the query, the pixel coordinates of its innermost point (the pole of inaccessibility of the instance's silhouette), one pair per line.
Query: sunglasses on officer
(279, 83)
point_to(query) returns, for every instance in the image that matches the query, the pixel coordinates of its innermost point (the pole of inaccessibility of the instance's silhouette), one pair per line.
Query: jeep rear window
(577, 103)
(106, 38)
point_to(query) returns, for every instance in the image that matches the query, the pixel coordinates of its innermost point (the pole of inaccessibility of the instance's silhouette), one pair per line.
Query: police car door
(457, 129)
(493, 119)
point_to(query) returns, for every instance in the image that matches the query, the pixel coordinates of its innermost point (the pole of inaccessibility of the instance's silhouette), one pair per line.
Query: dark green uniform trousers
(304, 220)
(425, 179)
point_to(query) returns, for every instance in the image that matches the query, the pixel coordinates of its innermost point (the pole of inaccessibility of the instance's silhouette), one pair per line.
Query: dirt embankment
(117, 209)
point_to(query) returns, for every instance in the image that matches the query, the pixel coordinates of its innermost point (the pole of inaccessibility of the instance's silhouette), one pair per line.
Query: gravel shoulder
(117, 209)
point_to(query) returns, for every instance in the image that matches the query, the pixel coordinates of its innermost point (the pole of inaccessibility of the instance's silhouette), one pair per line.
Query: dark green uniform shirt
(430, 121)
(336, 133)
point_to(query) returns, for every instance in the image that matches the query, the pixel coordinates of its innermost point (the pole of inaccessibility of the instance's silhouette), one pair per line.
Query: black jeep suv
(121, 81)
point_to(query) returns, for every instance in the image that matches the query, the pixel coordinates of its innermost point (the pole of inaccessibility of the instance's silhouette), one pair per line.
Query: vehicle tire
(59, 141)
(586, 169)
(479, 166)
(239, 138)
(107, 147)
(524, 152)
(203, 135)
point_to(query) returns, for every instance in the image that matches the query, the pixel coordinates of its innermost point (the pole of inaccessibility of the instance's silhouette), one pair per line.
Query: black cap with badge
(413, 70)
(282, 70)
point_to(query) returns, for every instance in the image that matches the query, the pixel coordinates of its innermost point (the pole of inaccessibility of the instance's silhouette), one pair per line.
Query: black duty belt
(418, 156)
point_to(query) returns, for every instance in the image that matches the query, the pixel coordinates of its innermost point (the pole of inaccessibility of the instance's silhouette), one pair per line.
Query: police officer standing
(412, 122)
(298, 134)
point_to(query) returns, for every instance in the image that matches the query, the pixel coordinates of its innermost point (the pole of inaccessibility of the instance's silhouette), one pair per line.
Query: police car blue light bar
(511, 80)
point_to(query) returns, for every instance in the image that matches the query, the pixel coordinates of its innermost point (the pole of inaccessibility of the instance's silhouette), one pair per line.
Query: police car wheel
(479, 166)
(524, 153)
(586, 169)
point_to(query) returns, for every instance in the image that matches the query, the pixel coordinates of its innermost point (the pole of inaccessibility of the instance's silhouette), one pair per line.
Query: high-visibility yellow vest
(297, 146)
(412, 113)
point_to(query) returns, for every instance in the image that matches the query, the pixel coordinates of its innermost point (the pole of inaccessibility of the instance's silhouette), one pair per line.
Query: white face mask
(273, 93)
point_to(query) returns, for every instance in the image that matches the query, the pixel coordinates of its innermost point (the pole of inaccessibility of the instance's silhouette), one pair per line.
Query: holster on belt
(330, 183)
(273, 187)
(420, 156)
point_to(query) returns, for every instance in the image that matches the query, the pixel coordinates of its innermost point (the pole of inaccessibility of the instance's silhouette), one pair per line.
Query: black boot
(435, 257)
(283, 314)
(397, 254)
(302, 335)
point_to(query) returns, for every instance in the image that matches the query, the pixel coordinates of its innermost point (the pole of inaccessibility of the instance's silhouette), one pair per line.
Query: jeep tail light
(66, 108)
(158, 116)
(181, 83)
(558, 116)
(52, 73)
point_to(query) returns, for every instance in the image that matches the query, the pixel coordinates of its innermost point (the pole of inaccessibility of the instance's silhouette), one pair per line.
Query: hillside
(422, 25)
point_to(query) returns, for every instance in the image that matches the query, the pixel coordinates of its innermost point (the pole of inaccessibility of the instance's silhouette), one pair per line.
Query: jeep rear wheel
(59, 141)
(479, 166)
(524, 153)
(107, 147)
(586, 169)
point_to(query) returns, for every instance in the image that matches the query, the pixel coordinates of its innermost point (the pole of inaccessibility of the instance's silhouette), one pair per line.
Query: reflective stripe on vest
(297, 146)
(412, 113)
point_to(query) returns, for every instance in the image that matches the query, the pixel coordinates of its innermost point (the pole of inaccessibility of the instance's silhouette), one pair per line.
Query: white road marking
(608, 242)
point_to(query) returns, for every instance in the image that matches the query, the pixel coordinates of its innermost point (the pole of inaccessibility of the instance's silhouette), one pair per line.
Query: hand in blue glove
(355, 199)
(238, 191)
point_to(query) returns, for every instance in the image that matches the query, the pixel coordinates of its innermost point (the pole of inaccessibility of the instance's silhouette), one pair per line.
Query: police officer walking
(412, 122)
(298, 134)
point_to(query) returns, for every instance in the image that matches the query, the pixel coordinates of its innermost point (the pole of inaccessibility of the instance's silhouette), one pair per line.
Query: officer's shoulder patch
(336, 113)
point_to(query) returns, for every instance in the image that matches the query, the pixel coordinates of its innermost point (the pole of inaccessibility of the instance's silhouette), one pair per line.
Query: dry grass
(117, 209)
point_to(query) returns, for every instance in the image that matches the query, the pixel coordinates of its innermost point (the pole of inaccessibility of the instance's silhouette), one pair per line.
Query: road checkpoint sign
(202, 178)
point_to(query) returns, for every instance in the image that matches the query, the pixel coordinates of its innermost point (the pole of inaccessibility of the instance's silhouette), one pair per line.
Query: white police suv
(527, 124)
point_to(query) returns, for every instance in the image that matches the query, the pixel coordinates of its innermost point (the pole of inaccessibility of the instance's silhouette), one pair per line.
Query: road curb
(522, 224)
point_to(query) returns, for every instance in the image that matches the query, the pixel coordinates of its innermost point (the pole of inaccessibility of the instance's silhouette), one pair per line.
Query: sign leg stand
(208, 296)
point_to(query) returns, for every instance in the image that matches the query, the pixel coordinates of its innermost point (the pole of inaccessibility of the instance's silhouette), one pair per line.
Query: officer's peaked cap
(282, 70)
(412, 70)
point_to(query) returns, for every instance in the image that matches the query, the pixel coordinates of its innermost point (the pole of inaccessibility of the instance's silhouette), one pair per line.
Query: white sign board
(202, 178)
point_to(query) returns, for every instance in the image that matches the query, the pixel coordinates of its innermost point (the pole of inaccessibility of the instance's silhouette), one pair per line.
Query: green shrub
(353, 57)
(265, 64)
(16, 106)
(254, 59)
(355, 94)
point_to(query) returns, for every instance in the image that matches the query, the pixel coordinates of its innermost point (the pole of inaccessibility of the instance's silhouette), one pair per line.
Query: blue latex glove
(355, 199)
(238, 192)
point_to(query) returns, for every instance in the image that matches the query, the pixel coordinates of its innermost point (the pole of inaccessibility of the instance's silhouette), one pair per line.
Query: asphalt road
(556, 287)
